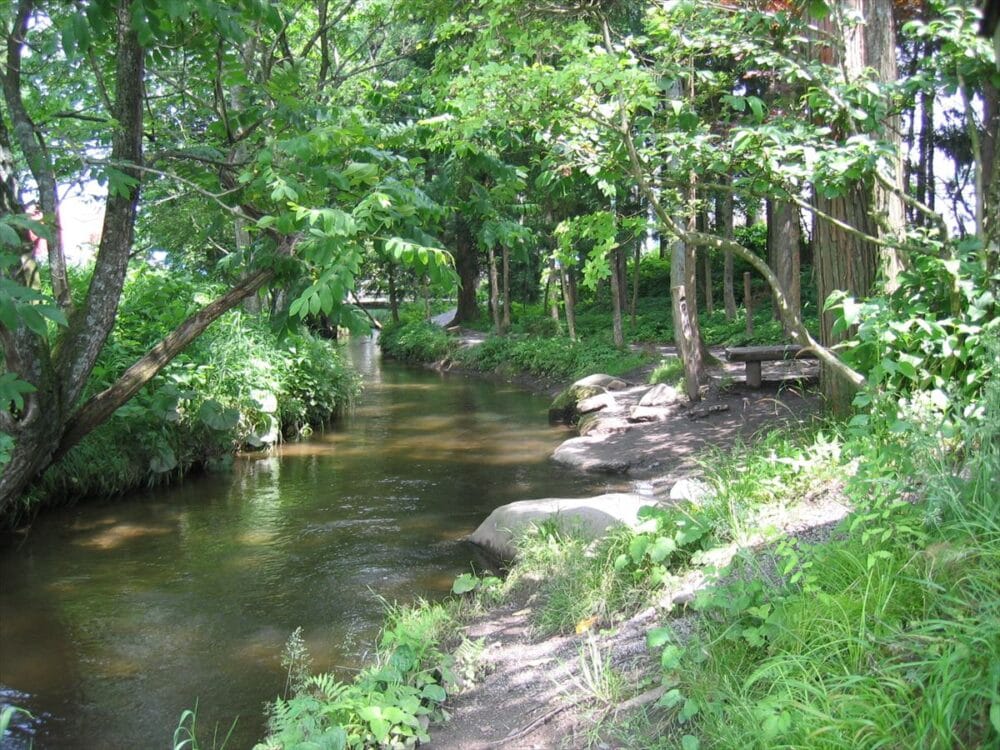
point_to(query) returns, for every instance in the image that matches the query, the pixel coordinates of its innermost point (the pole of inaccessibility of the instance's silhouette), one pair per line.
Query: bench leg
(753, 374)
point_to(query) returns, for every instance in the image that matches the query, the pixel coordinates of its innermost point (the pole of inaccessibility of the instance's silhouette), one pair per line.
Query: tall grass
(891, 639)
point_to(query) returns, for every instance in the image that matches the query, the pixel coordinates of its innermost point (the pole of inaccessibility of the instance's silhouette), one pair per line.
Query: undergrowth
(238, 385)
(390, 703)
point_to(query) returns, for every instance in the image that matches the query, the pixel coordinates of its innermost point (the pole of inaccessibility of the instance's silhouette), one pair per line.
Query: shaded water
(116, 617)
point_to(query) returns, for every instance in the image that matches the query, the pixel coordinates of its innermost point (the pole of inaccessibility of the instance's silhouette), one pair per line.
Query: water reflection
(114, 619)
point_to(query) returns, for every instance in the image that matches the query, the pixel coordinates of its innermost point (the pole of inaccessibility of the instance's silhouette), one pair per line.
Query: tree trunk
(617, 297)
(880, 56)
(569, 297)
(844, 261)
(467, 267)
(636, 268)
(61, 376)
(393, 293)
(494, 291)
(724, 228)
(687, 343)
(783, 236)
(505, 322)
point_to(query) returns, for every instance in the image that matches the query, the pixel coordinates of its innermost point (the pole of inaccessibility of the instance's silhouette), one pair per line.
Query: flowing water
(115, 617)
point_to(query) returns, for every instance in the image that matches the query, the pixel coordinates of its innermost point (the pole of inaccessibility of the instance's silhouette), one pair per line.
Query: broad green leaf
(658, 637)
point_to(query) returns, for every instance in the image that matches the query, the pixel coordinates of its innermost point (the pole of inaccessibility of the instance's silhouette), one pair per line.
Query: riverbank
(824, 581)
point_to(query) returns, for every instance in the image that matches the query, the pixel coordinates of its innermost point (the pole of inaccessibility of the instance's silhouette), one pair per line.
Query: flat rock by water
(590, 517)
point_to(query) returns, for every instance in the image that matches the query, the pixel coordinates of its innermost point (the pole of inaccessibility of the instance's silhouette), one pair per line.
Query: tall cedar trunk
(724, 228)
(844, 261)
(617, 297)
(783, 236)
(709, 298)
(467, 266)
(926, 189)
(505, 322)
(706, 273)
(880, 56)
(494, 291)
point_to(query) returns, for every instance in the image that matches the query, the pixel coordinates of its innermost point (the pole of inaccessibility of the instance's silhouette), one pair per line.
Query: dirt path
(535, 692)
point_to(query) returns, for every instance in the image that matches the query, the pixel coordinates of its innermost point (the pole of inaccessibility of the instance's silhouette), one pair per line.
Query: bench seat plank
(754, 355)
(767, 353)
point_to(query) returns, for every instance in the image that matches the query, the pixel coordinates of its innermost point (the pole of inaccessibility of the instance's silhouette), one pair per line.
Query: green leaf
(464, 583)
(691, 708)
(661, 549)
(217, 417)
(637, 548)
(658, 637)
(670, 659)
(163, 461)
(434, 692)
(690, 742)
(12, 390)
(8, 236)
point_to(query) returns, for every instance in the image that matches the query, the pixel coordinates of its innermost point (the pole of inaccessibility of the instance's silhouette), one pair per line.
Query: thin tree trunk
(494, 291)
(35, 151)
(393, 293)
(505, 255)
(724, 228)
(569, 296)
(636, 269)
(709, 303)
(617, 295)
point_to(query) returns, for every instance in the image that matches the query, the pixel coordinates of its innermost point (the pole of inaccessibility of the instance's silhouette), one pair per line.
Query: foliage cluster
(419, 341)
(555, 359)
(387, 705)
(240, 385)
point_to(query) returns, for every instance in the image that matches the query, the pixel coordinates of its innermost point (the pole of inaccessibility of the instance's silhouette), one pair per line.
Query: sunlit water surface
(115, 617)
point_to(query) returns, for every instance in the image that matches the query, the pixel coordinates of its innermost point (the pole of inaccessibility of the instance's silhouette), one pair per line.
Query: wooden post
(747, 304)
(688, 346)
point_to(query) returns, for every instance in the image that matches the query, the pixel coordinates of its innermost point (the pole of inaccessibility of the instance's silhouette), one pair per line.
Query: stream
(116, 616)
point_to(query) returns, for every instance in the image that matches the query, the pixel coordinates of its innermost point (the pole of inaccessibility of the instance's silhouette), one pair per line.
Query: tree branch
(35, 151)
(102, 405)
(90, 325)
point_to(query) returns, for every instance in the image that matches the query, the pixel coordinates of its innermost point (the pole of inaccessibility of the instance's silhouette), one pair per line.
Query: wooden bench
(754, 355)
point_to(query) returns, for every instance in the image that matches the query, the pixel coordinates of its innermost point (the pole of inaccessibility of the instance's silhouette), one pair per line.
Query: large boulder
(590, 517)
(564, 406)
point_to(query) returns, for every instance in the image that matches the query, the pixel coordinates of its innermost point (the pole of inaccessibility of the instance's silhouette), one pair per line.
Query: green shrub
(417, 341)
(557, 359)
(387, 703)
(670, 371)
